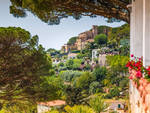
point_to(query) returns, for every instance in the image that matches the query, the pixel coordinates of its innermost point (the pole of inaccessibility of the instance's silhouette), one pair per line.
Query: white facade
(102, 59)
(94, 54)
(42, 108)
(140, 30)
(139, 43)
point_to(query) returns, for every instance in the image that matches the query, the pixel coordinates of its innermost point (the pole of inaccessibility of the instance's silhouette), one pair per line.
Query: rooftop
(53, 103)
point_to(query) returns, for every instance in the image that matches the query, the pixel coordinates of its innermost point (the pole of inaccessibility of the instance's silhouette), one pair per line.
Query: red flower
(149, 73)
(132, 55)
(138, 74)
(139, 69)
(128, 64)
(148, 69)
(138, 64)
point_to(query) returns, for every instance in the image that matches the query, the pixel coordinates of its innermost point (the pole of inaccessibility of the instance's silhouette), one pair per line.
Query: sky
(50, 36)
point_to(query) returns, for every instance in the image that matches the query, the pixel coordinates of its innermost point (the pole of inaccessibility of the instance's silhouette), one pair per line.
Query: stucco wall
(139, 95)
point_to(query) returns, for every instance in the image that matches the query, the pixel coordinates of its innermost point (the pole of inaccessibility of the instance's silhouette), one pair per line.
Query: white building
(43, 107)
(94, 54)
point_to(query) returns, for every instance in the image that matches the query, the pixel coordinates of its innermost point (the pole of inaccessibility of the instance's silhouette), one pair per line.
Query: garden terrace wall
(139, 95)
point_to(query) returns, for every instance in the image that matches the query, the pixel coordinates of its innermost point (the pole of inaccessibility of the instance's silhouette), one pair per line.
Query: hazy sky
(50, 36)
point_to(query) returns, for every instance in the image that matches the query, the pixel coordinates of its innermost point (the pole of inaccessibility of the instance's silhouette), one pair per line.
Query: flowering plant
(137, 64)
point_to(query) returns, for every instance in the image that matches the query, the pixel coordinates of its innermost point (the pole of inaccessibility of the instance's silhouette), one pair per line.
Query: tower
(95, 30)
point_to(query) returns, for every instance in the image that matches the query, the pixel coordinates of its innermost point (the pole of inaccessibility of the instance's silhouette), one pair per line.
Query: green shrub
(114, 92)
(68, 75)
(73, 64)
(100, 39)
(76, 64)
(100, 73)
(117, 63)
(79, 109)
(94, 87)
(61, 64)
(84, 80)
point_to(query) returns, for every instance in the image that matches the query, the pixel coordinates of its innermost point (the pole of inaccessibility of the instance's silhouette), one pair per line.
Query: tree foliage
(84, 80)
(94, 87)
(100, 73)
(52, 11)
(53, 52)
(24, 68)
(119, 33)
(75, 96)
(69, 75)
(72, 40)
(100, 39)
(98, 105)
(117, 63)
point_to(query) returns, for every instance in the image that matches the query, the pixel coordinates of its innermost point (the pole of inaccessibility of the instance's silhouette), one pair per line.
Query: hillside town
(84, 54)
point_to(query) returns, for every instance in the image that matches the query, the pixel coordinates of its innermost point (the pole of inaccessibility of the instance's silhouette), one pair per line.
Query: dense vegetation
(72, 40)
(52, 11)
(87, 87)
(24, 71)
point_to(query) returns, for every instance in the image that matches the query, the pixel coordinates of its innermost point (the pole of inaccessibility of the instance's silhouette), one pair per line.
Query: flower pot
(141, 81)
(147, 88)
(140, 89)
(145, 82)
(147, 100)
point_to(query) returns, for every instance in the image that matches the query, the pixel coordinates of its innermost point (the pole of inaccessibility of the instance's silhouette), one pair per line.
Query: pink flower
(130, 77)
(138, 74)
(132, 55)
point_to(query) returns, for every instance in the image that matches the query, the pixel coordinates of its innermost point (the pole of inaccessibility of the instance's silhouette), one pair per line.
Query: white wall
(42, 109)
(137, 28)
(146, 32)
(140, 30)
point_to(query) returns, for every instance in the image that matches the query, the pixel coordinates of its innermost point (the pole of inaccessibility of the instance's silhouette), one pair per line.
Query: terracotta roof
(53, 103)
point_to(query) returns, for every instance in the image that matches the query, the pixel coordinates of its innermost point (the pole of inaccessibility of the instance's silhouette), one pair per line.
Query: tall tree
(52, 11)
(24, 68)
(100, 39)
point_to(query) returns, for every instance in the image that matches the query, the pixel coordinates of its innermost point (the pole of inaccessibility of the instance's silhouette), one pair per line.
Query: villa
(43, 107)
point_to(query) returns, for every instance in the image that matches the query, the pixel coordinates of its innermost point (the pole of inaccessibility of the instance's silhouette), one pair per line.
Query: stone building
(82, 40)
(65, 48)
(86, 37)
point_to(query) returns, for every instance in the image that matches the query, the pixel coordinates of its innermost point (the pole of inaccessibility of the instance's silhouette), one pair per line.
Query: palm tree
(98, 105)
